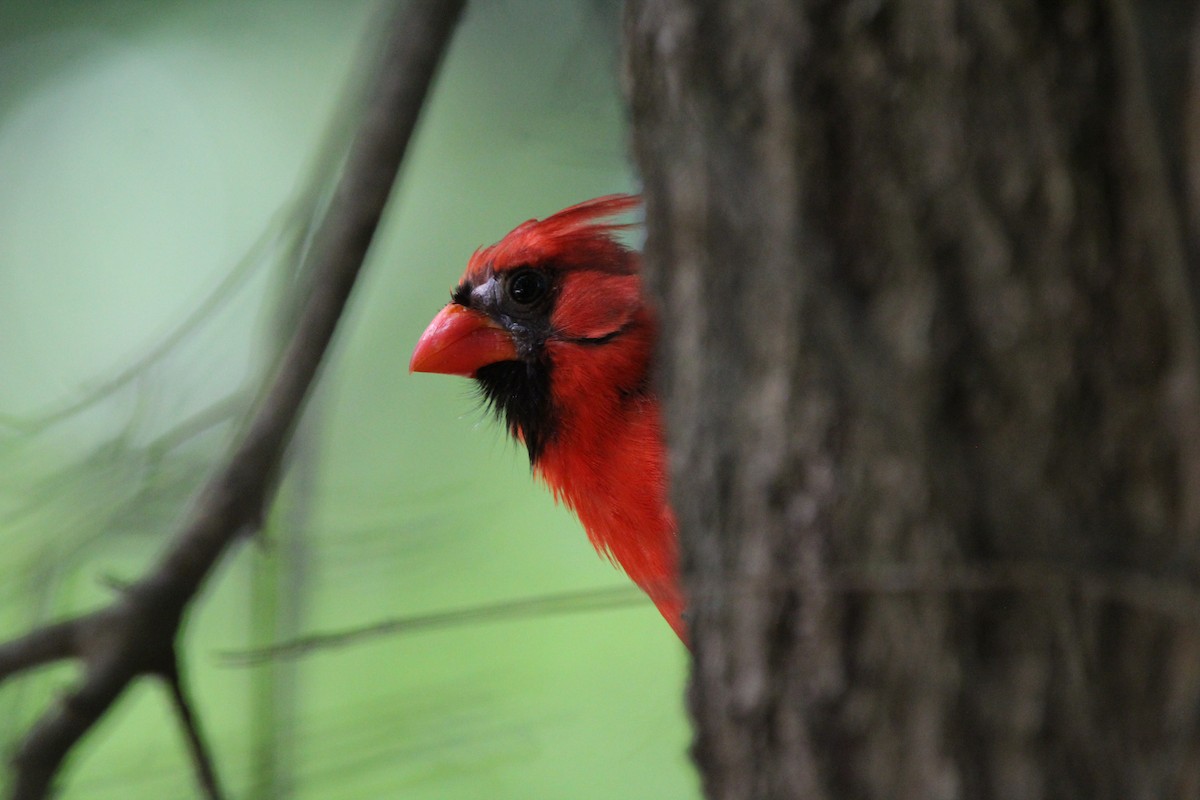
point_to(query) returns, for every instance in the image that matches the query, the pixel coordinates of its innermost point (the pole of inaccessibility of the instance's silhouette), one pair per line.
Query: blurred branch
(1177, 599)
(136, 635)
(226, 288)
(39, 647)
(289, 234)
(206, 771)
(211, 416)
(122, 449)
(566, 603)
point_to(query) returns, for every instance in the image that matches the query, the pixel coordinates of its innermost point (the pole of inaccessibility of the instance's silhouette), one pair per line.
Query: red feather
(572, 236)
(605, 457)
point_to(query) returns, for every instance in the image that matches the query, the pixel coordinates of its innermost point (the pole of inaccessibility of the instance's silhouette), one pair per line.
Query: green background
(145, 147)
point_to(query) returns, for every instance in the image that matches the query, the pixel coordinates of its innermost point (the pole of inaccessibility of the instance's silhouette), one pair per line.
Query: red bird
(551, 324)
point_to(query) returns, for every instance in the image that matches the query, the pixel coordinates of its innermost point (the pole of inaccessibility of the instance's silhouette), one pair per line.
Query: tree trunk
(929, 368)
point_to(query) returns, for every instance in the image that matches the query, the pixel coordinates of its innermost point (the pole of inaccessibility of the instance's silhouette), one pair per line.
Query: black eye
(527, 286)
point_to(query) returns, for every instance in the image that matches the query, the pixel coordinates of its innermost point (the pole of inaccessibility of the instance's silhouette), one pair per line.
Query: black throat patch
(518, 392)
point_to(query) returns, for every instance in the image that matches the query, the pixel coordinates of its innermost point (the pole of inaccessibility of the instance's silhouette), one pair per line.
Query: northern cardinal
(551, 324)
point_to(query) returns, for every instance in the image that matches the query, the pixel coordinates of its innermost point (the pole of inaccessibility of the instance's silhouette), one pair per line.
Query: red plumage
(551, 322)
(575, 235)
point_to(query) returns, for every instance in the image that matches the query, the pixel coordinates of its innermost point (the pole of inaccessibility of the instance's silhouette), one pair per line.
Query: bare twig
(566, 603)
(225, 288)
(219, 412)
(1155, 594)
(136, 635)
(42, 646)
(206, 770)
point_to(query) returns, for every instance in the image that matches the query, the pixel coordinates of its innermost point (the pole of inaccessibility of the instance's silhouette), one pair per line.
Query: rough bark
(929, 370)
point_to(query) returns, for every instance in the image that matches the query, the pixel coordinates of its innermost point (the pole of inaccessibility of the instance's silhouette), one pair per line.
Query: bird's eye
(527, 286)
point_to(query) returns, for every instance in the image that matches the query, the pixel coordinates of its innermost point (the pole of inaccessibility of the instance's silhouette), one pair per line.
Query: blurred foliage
(156, 185)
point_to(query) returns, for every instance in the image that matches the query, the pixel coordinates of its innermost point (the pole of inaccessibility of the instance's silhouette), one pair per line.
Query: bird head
(551, 324)
(551, 311)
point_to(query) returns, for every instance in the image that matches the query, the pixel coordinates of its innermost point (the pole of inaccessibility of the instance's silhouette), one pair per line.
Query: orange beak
(459, 341)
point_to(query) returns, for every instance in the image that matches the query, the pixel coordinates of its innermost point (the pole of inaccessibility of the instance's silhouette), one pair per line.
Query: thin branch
(237, 496)
(131, 637)
(1144, 592)
(292, 225)
(45, 645)
(217, 413)
(566, 603)
(219, 294)
(37, 760)
(206, 771)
